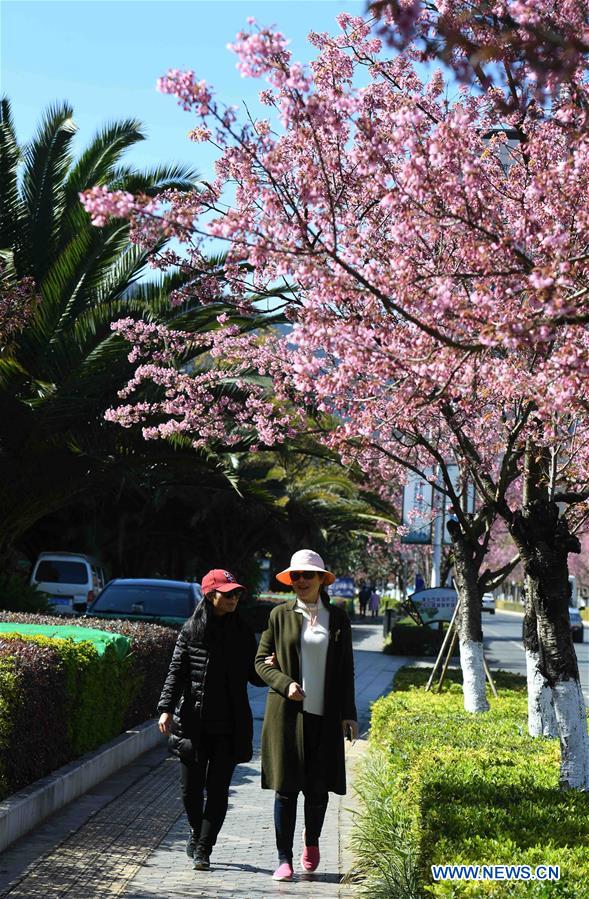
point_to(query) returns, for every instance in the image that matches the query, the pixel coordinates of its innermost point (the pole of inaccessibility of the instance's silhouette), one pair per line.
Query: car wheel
(578, 638)
(492, 611)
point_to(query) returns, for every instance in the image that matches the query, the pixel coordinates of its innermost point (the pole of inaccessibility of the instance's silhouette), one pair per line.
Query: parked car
(577, 632)
(147, 599)
(488, 603)
(70, 580)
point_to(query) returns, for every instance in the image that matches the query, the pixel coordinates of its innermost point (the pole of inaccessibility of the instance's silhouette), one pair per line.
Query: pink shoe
(283, 872)
(310, 858)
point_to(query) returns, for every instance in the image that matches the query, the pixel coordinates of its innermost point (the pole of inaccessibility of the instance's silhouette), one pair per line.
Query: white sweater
(314, 642)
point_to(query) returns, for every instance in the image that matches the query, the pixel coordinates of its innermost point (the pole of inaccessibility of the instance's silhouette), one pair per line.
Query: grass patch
(442, 786)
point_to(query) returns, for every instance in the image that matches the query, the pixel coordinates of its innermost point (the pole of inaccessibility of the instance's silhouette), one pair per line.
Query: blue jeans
(285, 803)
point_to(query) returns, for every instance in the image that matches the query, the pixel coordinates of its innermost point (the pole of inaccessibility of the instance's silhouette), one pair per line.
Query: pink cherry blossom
(434, 269)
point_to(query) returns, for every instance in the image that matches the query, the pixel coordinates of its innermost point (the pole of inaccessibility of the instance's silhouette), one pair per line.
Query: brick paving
(127, 837)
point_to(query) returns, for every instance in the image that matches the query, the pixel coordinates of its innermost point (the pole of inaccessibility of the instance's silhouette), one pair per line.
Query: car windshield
(146, 599)
(58, 571)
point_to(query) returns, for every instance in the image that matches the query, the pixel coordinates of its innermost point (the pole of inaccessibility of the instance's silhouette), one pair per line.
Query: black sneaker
(190, 845)
(201, 859)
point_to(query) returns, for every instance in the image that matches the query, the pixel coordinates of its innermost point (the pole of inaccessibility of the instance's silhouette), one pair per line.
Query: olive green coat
(283, 760)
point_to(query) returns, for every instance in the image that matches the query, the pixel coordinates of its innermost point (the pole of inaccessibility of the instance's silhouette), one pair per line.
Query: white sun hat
(305, 560)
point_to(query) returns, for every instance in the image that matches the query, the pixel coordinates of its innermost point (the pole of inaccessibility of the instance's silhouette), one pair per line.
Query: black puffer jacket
(183, 690)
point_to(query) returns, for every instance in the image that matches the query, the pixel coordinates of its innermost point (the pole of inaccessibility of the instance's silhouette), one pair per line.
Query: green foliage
(385, 823)
(16, 595)
(442, 786)
(7, 703)
(388, 602)
(63, 370)
(60, 698)
(95, 695)
(410, 639)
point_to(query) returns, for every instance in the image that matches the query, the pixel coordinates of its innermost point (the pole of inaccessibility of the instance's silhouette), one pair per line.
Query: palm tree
(60, 462)
(60, 373)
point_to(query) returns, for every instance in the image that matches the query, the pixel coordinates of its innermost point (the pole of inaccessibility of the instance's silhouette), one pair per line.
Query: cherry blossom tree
(435, 279)
(527, 49)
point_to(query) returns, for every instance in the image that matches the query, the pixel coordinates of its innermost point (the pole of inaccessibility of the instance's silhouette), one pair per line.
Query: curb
(22, 811)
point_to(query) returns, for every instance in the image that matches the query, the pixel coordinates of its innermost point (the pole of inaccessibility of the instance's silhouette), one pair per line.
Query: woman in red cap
(204, 707)
(305, 656)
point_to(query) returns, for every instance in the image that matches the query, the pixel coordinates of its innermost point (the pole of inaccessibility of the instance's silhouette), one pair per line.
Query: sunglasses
(233, 594)
(307, 575)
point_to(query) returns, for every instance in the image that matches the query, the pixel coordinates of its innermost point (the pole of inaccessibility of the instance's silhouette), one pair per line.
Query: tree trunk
(558, 666)
(541, 712)
(544, 540)
(470, 630)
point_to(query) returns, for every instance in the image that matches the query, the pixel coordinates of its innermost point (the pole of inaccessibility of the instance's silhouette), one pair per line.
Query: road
(504, 648)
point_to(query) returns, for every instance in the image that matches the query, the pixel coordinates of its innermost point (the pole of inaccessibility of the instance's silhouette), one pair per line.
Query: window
(58, 571)
(139, 599)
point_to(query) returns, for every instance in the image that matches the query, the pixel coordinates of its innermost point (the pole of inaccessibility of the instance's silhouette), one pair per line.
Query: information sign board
(435, 604)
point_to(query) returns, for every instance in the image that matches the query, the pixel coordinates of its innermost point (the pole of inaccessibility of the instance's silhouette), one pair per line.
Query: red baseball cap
(221, 580)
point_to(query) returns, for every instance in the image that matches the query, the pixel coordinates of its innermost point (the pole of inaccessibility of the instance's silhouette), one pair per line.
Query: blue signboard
(343, 586)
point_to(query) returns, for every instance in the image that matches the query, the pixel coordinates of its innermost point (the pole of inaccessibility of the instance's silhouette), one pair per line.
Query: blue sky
(104, 58)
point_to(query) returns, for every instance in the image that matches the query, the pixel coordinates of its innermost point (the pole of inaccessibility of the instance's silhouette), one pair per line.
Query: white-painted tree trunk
(571, 716)
(473, 676)
(541, 714)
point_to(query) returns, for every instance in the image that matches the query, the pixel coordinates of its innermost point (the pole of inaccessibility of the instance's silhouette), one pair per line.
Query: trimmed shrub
(35, 726)
(415, 640)
(60, 698)
(152, 646)
(7, 706)
(455, 788)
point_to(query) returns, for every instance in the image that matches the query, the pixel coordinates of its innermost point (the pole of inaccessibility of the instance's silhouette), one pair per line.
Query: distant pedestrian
(310, 707)
(374, 603)
(204, 707)
(364, 599)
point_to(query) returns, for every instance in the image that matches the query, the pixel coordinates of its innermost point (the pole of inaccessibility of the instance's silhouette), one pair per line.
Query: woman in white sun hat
(305, 656)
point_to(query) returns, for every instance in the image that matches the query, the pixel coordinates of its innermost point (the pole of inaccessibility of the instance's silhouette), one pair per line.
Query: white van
(70, 580)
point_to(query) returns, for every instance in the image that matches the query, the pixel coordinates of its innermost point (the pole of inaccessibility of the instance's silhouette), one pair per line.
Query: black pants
(285, 803)
(212, 771)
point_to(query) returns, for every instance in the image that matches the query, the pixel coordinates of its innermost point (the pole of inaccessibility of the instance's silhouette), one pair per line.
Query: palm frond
(11, 207)
(46, 162)
(98, 163)
(175, 176)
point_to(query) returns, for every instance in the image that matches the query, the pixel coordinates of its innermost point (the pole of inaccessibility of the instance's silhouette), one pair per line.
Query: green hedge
(388, 602)
(441, 786)
(60, 698)
(410, 639)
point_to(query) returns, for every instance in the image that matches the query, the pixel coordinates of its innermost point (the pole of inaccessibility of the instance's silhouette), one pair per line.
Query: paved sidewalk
(126, 838)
